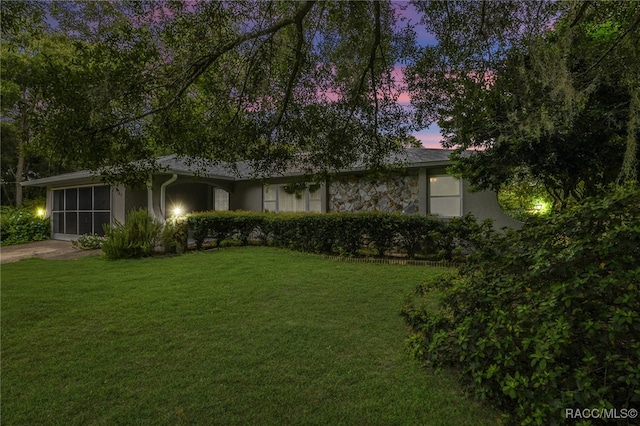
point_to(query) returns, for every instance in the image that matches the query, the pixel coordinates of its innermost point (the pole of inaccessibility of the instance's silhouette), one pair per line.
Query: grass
(237, 336)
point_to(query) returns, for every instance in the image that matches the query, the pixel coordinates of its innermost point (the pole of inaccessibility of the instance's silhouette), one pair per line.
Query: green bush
(175, 236)
(138, 237)
(22, 225)
(380, 231)
(345, 234)
(546, 318)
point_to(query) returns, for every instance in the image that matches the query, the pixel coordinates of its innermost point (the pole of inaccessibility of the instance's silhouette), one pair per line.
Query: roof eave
(63, 180)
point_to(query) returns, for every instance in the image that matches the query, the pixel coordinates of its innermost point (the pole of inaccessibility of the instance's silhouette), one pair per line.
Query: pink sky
(429, 137)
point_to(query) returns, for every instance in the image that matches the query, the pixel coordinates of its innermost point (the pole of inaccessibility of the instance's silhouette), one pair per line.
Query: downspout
(150, 208)
(163, 208)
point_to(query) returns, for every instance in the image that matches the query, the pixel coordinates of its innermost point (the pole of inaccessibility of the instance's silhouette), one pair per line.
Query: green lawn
(237, 336)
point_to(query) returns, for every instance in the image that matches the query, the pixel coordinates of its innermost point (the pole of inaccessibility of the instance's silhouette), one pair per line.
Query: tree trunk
(19, 172)
(23, 140)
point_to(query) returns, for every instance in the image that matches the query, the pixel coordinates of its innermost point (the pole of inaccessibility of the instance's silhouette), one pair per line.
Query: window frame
(451, 196)
(276, 201)
(215, 204)
(65, 210)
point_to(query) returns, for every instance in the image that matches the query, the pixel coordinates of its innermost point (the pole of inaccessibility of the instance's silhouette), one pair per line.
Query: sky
(429, 137)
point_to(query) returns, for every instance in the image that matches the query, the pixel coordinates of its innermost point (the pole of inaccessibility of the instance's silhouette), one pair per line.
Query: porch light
(177, 211)
(540, 206)
(40, 212)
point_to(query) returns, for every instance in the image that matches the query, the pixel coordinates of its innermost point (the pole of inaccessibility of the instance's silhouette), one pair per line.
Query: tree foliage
(546, 318)
(309, 84)
(552, 87)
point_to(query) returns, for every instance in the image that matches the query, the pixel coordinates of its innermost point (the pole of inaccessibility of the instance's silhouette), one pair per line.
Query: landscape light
(177, 211)
(540, 206)
(40, 212)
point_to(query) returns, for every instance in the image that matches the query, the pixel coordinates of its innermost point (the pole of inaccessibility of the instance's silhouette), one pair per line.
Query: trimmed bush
(380, 231)
(546, 318)
(138, 237)
(22, 225)
(346, 234)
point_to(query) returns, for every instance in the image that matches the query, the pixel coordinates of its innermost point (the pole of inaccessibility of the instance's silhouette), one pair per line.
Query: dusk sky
(430, 137)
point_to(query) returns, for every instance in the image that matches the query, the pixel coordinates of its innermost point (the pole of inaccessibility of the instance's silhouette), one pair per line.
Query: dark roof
(410, 157)
(204, 167)
(419, 156)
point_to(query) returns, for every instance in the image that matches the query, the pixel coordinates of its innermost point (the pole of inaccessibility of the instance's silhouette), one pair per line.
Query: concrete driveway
(49, 249)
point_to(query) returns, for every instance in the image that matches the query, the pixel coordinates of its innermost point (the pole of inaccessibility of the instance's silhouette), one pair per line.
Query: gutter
(163, 208)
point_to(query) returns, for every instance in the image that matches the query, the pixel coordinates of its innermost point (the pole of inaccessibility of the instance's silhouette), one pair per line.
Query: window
(220, 199)
(277, 199)
(444, 196)
(83, 210)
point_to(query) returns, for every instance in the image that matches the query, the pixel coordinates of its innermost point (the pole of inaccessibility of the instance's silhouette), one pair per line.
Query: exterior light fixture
(177, 211)
(40, 212)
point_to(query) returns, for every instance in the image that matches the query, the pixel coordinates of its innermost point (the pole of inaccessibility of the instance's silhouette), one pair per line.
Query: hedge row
(347, 234)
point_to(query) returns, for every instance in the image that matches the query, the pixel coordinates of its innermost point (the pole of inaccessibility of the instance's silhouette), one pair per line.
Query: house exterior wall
(118, 203)
(190, 196)
(135, 199)
(484, 205)
(390, 194)
(247, 195)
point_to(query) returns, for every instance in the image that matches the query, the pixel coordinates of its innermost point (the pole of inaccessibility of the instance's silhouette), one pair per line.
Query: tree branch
(294, 72)
(585, 5)
(202, 64)
(613, 46)
(372, 59)
(483, 13)
(370, 66)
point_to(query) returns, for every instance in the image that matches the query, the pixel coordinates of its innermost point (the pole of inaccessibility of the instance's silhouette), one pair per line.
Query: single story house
(79, 203)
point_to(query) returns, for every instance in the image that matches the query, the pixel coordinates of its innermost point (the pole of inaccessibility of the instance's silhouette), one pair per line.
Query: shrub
(342, 233)
(22, 225)
(245, 224)
(380, 229)
(89, 242)
(546, 318)
(175, 236)
(413, 233)
(349, 233)
(136, 238)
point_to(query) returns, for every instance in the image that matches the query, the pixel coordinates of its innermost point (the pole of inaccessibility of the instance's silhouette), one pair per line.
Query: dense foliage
(138, 237)
(107, 83)
(347, 234)
(174, 236)
(548, 87)
(546, 318)
(22, 225)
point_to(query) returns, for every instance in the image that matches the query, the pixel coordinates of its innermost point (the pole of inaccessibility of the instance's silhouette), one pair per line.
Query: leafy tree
(549, 87)
(278, 84)
(29, 72)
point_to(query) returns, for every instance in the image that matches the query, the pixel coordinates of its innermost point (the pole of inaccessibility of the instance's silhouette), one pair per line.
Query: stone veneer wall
(395, 193)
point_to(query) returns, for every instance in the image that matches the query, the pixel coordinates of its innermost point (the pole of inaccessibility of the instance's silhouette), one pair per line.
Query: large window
(277, 198)
(220, 199)
(445, 196)
(82, 210)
